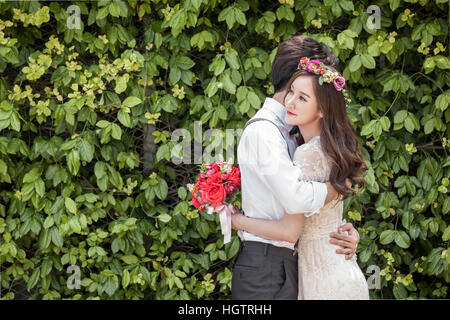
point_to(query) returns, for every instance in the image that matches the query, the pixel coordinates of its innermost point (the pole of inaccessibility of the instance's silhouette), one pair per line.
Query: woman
(316, 102)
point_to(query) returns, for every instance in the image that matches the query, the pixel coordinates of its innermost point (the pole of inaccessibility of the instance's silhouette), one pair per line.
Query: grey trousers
(265, 272)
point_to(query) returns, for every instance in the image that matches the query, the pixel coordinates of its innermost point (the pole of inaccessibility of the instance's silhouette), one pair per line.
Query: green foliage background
(74, 106)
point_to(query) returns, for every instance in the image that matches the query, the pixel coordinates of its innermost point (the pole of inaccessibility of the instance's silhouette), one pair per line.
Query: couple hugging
(295, 244)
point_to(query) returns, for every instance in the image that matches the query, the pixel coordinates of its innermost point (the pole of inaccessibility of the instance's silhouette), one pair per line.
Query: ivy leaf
(70, 205)
(446, 234)
(125, 278)
(131, 102)
(116, 132)
(164, 217)
(86, 150)
(33, 279)
(355, 63)
(402, 239)
(347, 5)
(73, 162)
(124, 118)
(387, 236)
(121, 83)
(174, 75)
(15, 121)
(368, 61)
(130, 259)
(56, 237)
(184, 63)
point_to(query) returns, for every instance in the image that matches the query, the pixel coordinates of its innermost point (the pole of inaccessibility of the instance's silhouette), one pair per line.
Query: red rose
(235, 177)
(230, 188)
(215, 193)
(212, 168)
(197, 201)
(201, 184)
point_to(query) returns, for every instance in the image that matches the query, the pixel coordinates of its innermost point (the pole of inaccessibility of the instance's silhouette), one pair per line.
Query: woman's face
(301, 103)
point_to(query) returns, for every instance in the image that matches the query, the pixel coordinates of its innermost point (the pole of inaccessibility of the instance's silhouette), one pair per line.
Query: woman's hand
(349, 241)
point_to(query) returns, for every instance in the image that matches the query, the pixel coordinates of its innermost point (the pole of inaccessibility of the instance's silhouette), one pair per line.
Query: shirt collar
(278, 110)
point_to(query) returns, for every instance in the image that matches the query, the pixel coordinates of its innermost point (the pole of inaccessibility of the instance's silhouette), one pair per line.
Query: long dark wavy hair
(337, 136)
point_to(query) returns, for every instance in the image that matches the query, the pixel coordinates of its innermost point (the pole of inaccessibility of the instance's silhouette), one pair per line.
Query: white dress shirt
(270, 183)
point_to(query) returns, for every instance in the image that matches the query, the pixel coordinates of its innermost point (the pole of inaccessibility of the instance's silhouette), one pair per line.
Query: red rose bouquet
(218, 185)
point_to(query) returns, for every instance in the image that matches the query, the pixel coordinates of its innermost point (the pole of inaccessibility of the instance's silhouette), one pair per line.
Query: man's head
(288, 57)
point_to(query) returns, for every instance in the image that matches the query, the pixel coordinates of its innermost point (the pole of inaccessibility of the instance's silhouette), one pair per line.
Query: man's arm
(264, 152)
(287, 229)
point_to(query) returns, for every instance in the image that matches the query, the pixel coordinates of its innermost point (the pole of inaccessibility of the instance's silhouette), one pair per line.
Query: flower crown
(326, 75)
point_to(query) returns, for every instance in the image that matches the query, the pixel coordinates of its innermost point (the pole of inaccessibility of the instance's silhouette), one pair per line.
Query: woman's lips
(290, 113)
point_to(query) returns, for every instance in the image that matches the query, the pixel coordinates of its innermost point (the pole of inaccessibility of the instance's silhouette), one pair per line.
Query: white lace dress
(324, 274)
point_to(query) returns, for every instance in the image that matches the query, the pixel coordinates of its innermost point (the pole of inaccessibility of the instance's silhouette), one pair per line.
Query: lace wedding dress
(324, 274)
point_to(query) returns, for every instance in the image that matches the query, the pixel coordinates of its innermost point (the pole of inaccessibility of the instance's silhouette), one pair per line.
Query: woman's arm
(287, 229)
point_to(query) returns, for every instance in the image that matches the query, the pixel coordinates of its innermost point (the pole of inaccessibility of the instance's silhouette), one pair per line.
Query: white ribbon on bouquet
(225, 211)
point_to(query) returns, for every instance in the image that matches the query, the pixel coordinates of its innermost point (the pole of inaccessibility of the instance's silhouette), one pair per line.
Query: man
(272, 185)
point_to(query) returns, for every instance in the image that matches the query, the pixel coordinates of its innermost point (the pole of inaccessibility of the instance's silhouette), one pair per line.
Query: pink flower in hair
(339, 83)
(312, 65)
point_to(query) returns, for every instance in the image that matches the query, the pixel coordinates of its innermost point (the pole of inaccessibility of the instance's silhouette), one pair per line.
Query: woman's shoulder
(310, 151)
(312, 145)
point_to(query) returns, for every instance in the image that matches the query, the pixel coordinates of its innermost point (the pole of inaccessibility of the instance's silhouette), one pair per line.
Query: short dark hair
(288, 57)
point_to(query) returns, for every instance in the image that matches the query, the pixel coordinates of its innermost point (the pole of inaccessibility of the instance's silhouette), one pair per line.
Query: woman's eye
(303, 99)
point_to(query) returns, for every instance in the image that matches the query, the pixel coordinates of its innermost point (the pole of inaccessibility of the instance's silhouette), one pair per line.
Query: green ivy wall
(86, 117)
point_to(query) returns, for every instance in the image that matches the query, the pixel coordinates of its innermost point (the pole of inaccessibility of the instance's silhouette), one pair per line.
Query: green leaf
(101, 124)
(254, 100)
(125, 278)
(443, 101)
(394, 4)
(385, 123)
(182, 193)
(402, 239)
(162, 189)
(39, 187)
(228, 84)
(124, 118)
(73, 162)
(44, 239)
(102, 13)
(163, 152)
(164, 217)
(232, 60)
(31, 176)
(56, 237)
(368, 61)
(184, 63)
(48, 222)
(71, 206)
(347, 5)
(355, 63)
(174, 75)
(121, 83)
(131, 101)
(130, 259)
(34, 279)
(116, 132)
(15, 122)
(446, 234)
(86, 151)
(387, 236)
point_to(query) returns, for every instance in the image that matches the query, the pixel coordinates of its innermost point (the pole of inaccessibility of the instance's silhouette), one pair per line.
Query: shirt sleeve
(264, 151)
